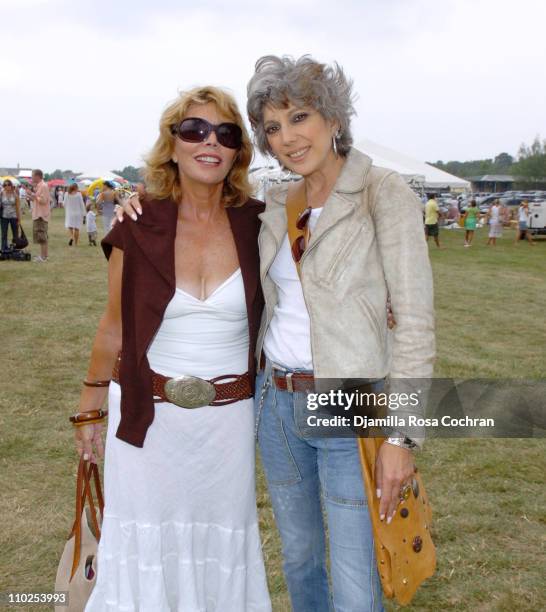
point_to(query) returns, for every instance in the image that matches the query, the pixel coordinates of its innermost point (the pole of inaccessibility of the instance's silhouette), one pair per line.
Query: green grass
(488, 495)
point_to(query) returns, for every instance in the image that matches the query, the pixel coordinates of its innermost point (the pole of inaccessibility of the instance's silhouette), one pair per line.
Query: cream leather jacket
(368, 242)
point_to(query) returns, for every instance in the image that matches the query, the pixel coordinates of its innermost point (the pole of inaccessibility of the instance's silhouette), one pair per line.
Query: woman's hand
(129, 206)
(393, 469)
(89, 441)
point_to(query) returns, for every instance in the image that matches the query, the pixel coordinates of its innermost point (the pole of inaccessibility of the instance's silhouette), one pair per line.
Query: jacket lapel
(154, 236)
(340, 204)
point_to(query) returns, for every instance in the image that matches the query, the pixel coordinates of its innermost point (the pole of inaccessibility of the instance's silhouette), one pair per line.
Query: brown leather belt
(294, 382)
(298, 382)
(194, 392)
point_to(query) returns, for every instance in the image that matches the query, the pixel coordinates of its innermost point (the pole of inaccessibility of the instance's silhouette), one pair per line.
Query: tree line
(530, 163)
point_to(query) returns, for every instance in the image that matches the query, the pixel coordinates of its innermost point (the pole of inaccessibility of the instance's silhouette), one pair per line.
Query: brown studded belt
(193, 392)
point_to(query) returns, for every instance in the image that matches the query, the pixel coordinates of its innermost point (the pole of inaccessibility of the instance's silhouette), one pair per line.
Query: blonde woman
(180, 529)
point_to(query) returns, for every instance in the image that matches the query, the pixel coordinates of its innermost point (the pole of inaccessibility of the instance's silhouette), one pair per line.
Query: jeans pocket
(279, 465)
(341, 473)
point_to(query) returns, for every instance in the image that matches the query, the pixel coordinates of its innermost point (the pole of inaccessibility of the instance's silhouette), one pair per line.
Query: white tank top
(205, 338)
(288, 338)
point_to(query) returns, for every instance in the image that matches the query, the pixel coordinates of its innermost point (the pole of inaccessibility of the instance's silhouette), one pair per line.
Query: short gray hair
(303, 82)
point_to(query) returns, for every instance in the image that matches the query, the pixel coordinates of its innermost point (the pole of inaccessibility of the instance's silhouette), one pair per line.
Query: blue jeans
(308, 478)
(5, 224)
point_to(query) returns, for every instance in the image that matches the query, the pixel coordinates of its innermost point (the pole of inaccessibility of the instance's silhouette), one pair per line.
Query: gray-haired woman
(366, 242)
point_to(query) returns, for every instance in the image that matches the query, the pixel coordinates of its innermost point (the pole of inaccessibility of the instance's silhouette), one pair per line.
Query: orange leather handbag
(404, 549)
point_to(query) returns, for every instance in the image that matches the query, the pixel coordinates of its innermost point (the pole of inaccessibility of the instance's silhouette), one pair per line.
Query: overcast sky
(83, 83)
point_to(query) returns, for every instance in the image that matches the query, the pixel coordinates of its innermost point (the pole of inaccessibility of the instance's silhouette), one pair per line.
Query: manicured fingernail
(389, 520)
(133, 217)
(85, 457)
(381, 517)
(120, 219)
(378, 493)
(139, 211)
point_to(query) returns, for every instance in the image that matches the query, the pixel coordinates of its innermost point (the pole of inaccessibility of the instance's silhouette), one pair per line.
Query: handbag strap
(83, 493)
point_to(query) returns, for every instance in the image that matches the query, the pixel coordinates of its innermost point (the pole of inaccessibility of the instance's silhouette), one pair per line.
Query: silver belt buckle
(189, 391)
(289, 384)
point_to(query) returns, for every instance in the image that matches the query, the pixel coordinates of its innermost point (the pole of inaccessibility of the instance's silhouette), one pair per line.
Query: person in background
(432, 216)
(107, 199)
(523, 223)
(74, 213)
(10, 212)
(470, 222)
(494, 220)
(41, 211)
(60, 196)
(91, 225)
(23, 199)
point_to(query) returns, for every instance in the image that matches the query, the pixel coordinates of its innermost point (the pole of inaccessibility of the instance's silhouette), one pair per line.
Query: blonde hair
(161, 173)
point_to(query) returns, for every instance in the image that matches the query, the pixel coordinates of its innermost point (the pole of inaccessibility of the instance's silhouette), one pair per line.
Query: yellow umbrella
(10, 178)
(96, 184)
(122, 191)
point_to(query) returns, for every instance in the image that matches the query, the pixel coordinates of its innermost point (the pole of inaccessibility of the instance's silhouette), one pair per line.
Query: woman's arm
(18, 207)
(106, 347)
(404, 254)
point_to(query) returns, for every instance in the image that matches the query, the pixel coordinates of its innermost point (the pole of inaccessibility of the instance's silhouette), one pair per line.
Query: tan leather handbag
(404, 549)
(77, 571)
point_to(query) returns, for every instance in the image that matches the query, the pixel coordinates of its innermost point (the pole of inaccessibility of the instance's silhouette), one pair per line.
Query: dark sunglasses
(194, 129)
(298, 247)
(7, 185)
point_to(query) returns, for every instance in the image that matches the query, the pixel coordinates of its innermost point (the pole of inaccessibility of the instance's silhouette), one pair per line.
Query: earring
(334, 142)
(174, 160)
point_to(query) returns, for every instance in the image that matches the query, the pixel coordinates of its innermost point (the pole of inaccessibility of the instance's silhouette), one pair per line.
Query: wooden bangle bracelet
(84, 417)
(96, 383)
(90, 422)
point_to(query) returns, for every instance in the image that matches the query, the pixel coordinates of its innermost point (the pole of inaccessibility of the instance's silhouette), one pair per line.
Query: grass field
(488, 495)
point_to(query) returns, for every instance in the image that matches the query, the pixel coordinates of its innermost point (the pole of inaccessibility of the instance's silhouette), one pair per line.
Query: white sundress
(180, 529)
(74, 210)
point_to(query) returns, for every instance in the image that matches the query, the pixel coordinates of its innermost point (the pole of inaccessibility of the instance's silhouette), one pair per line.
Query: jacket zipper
(309, 313)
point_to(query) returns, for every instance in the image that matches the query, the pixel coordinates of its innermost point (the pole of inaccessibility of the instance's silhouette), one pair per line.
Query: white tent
(109, 176)
(413, 170)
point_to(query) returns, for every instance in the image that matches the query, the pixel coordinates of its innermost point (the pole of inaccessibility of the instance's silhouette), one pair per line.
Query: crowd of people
(496, 217)
(80, 208)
